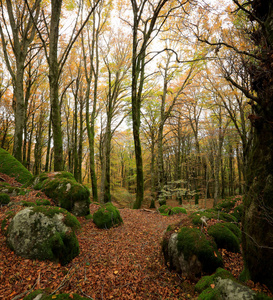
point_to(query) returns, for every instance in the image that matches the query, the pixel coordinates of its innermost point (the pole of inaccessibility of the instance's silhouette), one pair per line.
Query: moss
(178, 210)
(89, 217)
(12, 167)
(206, 281)
(32, 295)
(211, 214)
(27, 203)
(42, 202)
(107, 216)
(65, 247)
(4, 199)
(261, 296)
(226, 205)
(238, 212)
(192, 241)
(224, 237)
(49, 211)
(65, 192)
(164, 209)
(245, 275)
(234, 229)
(210, 294)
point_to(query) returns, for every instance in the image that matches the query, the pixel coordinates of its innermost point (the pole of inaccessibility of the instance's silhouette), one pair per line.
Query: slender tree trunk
(54, 84)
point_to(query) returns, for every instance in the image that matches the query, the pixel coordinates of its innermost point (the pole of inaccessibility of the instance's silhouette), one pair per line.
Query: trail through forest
(123, 262)
(120, 263)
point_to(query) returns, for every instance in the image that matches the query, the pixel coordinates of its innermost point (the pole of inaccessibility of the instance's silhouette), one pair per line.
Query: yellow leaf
(115, 272)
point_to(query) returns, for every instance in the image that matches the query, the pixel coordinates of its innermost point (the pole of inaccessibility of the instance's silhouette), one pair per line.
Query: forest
(146, 101)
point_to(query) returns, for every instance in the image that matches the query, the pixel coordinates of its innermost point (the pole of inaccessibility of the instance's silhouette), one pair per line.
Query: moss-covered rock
(206, 281)
(178, 210)
(224, 237)
(13, 168)
(164, 210)
(190, 252)
(12, 190)
(192, 241)
(235, 229)
(44, 232)
(44, 296)
(107, 216)
(222, 285)
(64, 190)
(4, 199)
(211, 214)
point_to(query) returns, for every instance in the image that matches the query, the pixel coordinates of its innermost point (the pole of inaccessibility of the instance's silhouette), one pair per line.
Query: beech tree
(17, 32)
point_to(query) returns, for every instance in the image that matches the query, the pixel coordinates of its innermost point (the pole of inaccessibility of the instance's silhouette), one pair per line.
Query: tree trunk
(54, 84)
(258, 213)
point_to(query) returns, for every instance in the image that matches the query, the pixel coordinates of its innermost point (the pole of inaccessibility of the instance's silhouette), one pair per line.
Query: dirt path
(120, 263)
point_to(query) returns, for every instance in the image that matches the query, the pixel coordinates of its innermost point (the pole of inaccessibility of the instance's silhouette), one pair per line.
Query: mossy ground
(192, 241)
(12, 167)
(107, 216)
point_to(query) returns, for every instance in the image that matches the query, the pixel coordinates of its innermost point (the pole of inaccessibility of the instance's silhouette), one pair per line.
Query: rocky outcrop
(44, 232)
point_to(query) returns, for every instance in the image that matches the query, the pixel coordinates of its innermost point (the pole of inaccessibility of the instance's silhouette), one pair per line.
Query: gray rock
(33, 234)
(231, 290)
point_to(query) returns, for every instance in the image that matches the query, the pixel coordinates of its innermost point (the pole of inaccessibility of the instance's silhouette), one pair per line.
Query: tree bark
(258, 214)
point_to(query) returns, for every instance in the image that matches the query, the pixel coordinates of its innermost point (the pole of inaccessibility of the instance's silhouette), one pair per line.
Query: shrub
(13, 168)
(4, 199)
(224, 237)
(107, 216)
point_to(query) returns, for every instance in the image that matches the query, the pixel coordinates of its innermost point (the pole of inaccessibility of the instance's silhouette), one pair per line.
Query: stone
(230, 290)
(44, 232)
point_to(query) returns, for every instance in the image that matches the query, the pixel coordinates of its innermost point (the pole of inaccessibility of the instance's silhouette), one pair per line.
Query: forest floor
(124, 262)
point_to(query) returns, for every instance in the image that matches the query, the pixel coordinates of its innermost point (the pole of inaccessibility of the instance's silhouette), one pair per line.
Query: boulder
(189, 252)
(44, 232)
(107, 216)
(230, 289)
(64, 190)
